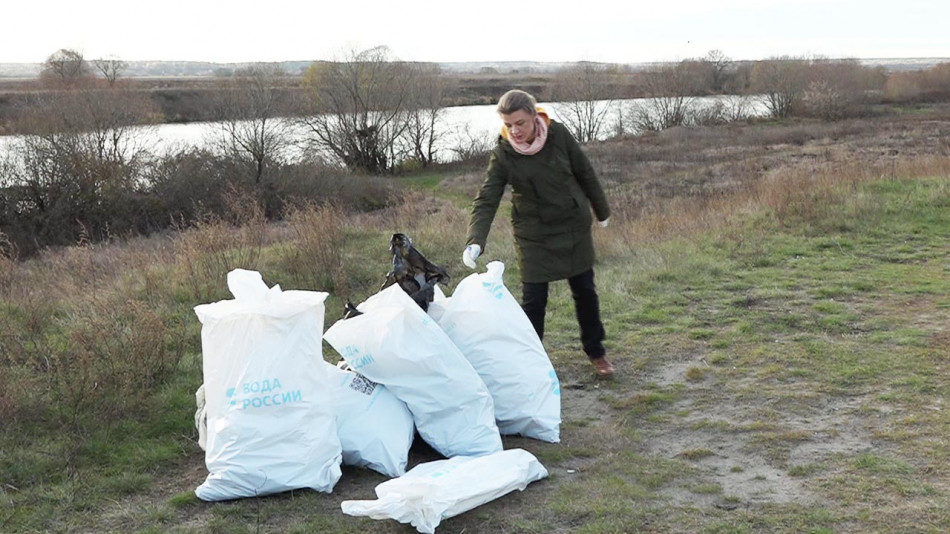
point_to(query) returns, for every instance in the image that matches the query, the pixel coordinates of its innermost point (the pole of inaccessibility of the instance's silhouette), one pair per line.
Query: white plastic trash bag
(201, 418)
(438, 304)
(396, 344)
(485, 322)
(434, 491)
(268, 401)
(375, 427)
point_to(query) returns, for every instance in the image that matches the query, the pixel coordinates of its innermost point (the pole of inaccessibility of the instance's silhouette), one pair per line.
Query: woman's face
(520, 125)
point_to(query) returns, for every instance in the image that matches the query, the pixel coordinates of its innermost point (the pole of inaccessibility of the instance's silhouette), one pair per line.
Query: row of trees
(368, 113)
(787, 86)
(925, 85)
(67, 67)
(376, 114)
(821, 88)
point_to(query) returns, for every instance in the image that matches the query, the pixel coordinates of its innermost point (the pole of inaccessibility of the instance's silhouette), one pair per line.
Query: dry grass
(415, 215)
(314, 257)
(683, 181)
(213, 246)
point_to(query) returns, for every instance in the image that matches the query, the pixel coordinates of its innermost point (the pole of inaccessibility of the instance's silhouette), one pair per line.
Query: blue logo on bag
(263, 393)
(496, 289)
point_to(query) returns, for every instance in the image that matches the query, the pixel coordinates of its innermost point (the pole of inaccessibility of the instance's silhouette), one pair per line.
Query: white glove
(468, 256)
(603, 223)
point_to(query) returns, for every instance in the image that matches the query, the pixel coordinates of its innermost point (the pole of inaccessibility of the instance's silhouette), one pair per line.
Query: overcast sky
(621, 31)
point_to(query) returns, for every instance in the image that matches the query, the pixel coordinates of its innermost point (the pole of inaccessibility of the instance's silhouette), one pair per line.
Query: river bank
(181, 100)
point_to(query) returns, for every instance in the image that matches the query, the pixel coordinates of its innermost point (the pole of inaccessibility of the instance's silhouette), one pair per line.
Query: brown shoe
(603, 365)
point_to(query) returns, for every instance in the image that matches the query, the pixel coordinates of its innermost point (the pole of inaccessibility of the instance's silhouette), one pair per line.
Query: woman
(553, 188)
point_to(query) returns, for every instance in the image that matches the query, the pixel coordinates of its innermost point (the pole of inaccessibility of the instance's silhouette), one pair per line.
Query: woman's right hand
(469, 255)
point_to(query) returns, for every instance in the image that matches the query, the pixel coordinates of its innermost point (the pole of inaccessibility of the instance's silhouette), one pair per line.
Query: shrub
(55, 187)
(188, 184)
(931, 85)
(45, 202)
(114, 357)
(318, 183)
(816, 87)
(840, 89)
(471, 147)
(87, 367)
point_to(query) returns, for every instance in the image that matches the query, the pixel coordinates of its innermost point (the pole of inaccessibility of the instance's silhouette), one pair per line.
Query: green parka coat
(552, 193)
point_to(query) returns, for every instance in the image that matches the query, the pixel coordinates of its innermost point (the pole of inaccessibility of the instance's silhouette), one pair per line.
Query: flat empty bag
(434, 491)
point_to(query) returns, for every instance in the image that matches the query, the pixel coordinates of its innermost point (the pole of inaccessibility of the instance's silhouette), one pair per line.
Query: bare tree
(107, 123)
(425, 111)
(585, 93)
(65, 66)
(77, 171)
(110, 68)
(249, 108)
(359, 108)
(718, 64)
(671, 90)
(469, 145)
(782, 81)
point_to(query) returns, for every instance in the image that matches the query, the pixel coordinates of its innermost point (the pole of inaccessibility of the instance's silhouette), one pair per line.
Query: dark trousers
(534, 301)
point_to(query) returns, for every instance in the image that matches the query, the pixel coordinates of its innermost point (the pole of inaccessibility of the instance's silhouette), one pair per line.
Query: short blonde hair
(516, 99)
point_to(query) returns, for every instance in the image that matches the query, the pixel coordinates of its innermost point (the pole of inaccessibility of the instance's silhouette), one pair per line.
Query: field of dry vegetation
(776, 296)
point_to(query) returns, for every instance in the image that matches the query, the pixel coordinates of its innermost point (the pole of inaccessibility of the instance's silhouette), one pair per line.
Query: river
(461, 127)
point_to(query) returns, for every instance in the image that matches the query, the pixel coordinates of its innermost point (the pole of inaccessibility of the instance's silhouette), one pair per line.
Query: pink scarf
(540, 136)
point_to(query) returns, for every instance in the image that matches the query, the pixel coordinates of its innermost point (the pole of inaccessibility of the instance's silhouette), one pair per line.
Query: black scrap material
(416, 275)
(349, 310)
